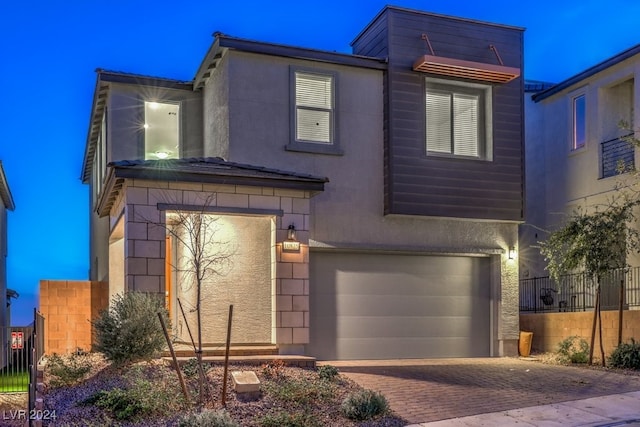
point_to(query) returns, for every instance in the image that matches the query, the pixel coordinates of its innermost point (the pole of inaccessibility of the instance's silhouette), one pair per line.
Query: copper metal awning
(465, 69)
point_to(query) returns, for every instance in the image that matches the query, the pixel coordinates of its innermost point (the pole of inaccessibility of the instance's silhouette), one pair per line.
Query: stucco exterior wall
(215, 103)
(349, 213)
(241, 246)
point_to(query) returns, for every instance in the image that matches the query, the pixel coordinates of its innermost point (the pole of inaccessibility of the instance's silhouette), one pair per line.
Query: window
(161, 130)
(313, 112)
(314, 107)
(456, 119)
(579, 122)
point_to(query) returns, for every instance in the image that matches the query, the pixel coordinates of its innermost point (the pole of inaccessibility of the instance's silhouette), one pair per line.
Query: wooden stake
(593, 326)
(175, 360)
(620, 312)
(226, 359)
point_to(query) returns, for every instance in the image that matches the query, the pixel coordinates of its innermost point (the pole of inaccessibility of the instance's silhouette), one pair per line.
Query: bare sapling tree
(201, 255)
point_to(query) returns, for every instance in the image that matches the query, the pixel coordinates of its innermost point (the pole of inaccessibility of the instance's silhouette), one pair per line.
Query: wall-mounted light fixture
(291, 232)
(291, 244)
(512, 252)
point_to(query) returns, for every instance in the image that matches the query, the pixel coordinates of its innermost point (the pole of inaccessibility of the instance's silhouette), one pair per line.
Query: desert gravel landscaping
(149, 394)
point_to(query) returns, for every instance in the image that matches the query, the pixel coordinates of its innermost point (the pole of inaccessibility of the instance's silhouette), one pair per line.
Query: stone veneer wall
(549, 329)
(145, 242)
(68, 308)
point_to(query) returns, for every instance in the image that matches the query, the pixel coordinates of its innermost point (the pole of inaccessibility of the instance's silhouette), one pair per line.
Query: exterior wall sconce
(512, 252)
(291, 244)
(291, 232)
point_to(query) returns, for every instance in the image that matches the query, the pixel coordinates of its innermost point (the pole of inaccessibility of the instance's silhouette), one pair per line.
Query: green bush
(327, 372)
(67, 371)
(122, 404)
(208, 419)
(364, 405)
(143, 398)
(190, 367)
(130, 330)
(626, 356)
(573, 349)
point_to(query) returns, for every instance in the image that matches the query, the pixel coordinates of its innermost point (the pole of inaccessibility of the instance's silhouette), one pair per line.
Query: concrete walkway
(606, 411)
(498, 391)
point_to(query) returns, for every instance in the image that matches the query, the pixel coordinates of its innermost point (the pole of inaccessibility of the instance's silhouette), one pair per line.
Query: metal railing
(617, 156)
(576, 292)
(36, 351)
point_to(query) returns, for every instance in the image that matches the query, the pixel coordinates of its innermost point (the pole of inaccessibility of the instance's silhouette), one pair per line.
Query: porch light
(512, 252)
(291, 232)
(291, 244)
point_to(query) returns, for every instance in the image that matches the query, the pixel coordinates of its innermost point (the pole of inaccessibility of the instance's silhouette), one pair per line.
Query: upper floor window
(313, 112)
(161, 130)
(579, 107)
(457, 119)
(314, 107)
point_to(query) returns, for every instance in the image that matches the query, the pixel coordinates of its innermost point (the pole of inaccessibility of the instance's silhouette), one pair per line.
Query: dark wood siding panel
(374, 41)
(427, 185)
(451, 38)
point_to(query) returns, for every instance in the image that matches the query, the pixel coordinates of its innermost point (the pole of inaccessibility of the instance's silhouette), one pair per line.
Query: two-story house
(369, 202)
(577, 152)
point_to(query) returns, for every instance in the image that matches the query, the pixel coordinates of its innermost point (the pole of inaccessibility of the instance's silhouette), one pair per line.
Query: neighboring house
(399, 167)
(6, 204)
(575, 146)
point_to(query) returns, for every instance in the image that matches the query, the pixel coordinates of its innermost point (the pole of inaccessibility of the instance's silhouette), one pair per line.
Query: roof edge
(223, 41)
(595, 69)
(5, 192)
(437, 15)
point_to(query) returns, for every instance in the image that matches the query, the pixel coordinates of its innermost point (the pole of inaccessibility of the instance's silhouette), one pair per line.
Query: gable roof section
(100, 96)
(223, 42)
(212, 170)
(614, 60)
(5, 193)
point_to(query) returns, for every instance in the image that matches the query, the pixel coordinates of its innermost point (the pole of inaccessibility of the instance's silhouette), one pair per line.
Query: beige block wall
(549, 329)
(68, 308)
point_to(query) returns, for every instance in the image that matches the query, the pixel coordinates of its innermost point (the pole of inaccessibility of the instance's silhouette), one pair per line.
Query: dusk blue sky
(49, 51)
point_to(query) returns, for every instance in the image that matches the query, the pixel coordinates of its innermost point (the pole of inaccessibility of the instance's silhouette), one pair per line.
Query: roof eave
(5, 192)
(223, 42)
(118, 174)
(607, 63)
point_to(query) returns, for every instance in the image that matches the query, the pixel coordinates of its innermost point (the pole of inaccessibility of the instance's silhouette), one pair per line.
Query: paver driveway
(438, 389)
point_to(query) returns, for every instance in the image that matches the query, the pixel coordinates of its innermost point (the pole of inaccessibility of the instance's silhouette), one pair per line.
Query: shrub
(626, 356)
(273, 369)
(190, 367)
(363, 405)
(142, 398)
(67, 371)
(327, 372)
(207, 419)
(130, 330)
(573, 350)
(300, 391)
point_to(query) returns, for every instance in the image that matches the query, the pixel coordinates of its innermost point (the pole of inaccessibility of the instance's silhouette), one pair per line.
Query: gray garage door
(380, 306)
